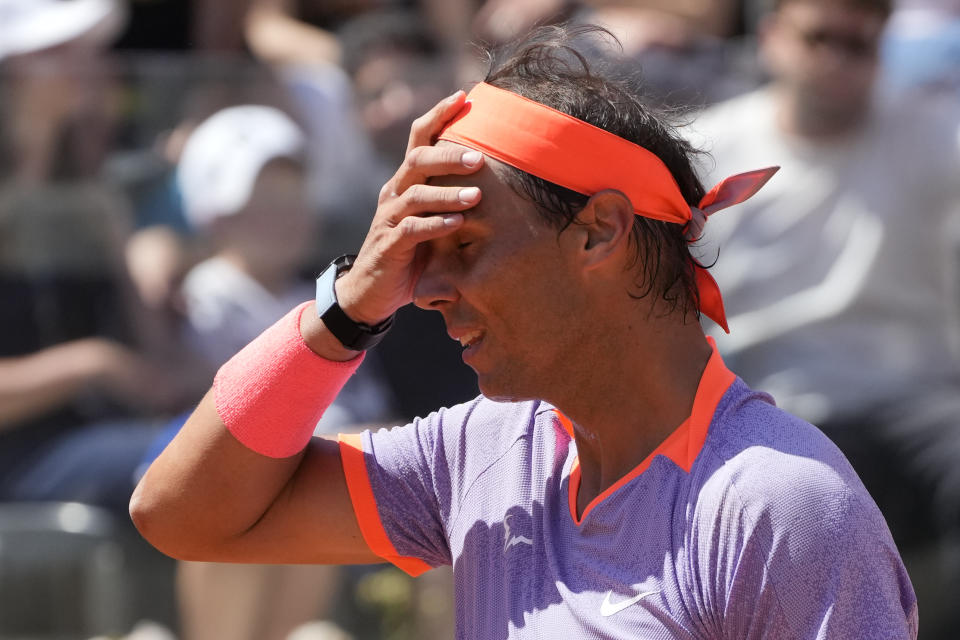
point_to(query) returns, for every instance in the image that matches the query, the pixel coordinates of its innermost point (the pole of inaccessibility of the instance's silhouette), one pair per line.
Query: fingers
(423, 199)
(414, 230)
(428, 126)
(422, 163)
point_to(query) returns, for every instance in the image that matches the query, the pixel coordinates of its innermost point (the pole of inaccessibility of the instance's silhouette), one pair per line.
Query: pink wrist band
(273, 392)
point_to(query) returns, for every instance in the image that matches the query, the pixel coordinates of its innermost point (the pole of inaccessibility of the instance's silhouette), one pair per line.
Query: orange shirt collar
(681, 447)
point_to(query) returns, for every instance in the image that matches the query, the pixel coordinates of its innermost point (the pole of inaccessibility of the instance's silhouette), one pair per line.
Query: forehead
(498, 199)
(820, 13)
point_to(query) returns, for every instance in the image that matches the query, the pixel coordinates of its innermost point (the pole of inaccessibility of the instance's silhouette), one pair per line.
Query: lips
(470, 338)
(466, 337)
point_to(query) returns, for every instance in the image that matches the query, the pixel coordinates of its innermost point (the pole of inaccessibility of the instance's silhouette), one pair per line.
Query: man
(624, 483)
(840, 277)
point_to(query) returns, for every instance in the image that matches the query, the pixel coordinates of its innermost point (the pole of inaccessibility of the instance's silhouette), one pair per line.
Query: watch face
(326, 296)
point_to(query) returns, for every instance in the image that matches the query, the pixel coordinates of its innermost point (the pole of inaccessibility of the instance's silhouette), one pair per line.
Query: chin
(502, 391)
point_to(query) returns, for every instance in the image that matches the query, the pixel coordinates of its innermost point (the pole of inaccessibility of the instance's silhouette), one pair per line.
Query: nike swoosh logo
(517, 540)
(510, 539)
(609, 608)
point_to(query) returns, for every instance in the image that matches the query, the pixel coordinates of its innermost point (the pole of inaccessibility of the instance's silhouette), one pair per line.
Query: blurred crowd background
(174, 173)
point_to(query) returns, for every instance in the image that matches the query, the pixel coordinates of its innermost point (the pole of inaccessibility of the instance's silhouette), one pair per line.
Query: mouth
(470, 339)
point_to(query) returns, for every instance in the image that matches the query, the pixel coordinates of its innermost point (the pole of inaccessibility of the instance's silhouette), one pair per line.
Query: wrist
(272, 393)
(352, 333)
(318, 338)
(348, 293)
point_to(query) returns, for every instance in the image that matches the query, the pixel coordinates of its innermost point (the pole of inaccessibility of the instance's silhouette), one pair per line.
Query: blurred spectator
(840, 279)
(398, 71)
(242, 179)
(500, 21)
(284, 32)
(921, 47)
(683, 51)
(59, 94)
(243, 183)
(84, 372)
(177, 25)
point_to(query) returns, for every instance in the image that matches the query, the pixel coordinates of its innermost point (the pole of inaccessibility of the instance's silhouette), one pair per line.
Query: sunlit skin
(505, 274)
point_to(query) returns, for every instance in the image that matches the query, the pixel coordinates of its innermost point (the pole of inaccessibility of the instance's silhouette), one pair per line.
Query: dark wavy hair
(562, 66)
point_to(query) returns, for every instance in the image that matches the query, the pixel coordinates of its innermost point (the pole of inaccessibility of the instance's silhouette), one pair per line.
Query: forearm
(40, 382)
(210, 493)
(280, 39)
(243, 481)
(206, 489)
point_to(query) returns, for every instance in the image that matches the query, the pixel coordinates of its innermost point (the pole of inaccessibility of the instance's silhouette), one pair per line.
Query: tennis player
(615, 479)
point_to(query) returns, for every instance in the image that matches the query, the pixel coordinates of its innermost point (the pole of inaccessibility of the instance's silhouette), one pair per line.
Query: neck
(805, 119)
(641, 387)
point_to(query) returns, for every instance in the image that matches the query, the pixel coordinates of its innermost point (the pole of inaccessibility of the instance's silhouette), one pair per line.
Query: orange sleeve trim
(365, 506)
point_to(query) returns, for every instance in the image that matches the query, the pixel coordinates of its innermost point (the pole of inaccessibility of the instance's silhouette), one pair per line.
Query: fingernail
(455, 96)
(452, 219)
(471, 158)
(468, 195)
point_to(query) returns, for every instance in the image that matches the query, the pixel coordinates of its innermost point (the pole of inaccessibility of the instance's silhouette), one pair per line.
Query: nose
(435, 288)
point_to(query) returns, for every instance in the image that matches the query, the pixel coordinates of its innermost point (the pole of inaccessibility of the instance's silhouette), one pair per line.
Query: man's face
(505, 284)
(826, 52)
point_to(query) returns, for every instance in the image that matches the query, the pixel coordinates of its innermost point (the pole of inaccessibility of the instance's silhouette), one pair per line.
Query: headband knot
(579, 156)
(698, 220)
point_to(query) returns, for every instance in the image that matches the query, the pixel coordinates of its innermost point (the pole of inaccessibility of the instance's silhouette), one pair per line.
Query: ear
(603, 228)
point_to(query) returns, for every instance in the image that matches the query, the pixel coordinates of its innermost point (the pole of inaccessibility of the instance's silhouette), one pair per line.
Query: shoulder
(734, 135)
(452, 447)
(481, 428)
(779, 488)
(737, 115)
(789, 524)
(771, 463)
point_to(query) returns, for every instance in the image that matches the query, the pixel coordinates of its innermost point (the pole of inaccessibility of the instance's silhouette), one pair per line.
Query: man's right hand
(208, 496)
(409, 212)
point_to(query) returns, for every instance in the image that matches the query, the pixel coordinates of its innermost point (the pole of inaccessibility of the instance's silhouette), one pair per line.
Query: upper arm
(208, 497)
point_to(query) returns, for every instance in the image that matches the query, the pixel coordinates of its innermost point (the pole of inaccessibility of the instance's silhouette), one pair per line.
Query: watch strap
(351, 334)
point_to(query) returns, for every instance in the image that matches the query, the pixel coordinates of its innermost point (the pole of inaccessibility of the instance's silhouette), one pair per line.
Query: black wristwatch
(353, 335)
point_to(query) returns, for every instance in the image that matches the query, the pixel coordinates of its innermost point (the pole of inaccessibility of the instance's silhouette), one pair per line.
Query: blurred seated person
(242, 178)
(682, 51)
(80, 399)
(840, 279)
(85, 375)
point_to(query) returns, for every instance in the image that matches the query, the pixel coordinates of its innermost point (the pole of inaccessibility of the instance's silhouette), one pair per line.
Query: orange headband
(575, 154)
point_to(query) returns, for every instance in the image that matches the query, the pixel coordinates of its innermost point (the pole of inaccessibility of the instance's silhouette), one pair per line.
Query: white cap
(224, 155)
(33, 25)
